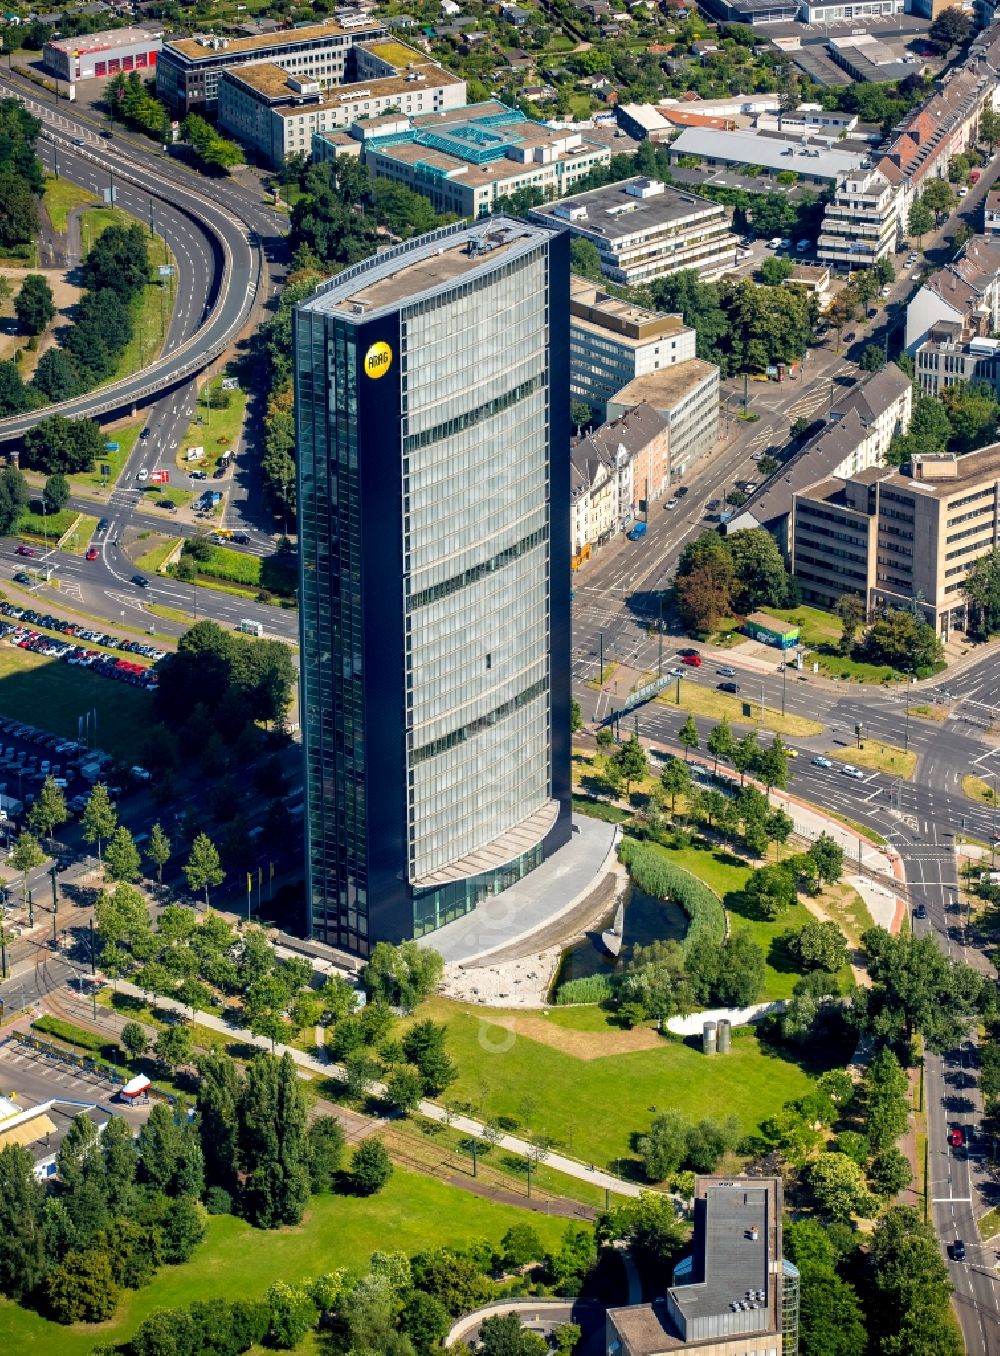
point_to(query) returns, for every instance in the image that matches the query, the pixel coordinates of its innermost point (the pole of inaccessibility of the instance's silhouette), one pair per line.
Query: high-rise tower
(432, 412)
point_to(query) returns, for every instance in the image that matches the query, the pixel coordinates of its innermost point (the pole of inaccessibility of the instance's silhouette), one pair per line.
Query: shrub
(658, 876)
(73, 1035)
(588, 989)
(218, 1201)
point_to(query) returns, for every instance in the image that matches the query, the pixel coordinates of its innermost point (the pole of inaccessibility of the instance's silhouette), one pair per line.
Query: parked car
(920, 911)
(670, 504)
(198, 475)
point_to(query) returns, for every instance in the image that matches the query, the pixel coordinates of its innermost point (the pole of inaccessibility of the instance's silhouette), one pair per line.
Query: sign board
(166, 270)
(193, 453)
(160, 478)
(110, 195)
(747, 709)
(106, 470)
(230, 383)
(111, 447)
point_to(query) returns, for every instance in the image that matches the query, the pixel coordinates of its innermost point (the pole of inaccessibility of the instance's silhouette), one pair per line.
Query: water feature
(646, 920)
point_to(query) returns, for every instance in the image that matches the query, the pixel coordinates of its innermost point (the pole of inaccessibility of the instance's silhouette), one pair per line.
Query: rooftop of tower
(419, 267)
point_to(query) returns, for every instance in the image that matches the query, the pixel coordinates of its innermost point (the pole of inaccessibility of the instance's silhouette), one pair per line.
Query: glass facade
(434, 662)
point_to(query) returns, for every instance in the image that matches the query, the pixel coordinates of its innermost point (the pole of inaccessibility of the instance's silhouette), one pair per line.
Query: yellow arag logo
(378, 360)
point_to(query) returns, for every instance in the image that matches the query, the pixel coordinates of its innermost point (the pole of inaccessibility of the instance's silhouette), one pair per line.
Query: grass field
(46, 527)
(820, 631)
(217, 431)
(51, 695)
(88, 483)
(726, 874)
(81, 534)
(977, 789)
(882, 757)
(60, 197)
(848, 910)
(702, 701)
(413, 1212)
(153, 557)
(552, 1092)
(930, 712)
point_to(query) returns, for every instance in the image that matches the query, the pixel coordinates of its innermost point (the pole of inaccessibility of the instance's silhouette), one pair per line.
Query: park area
(413, 1212)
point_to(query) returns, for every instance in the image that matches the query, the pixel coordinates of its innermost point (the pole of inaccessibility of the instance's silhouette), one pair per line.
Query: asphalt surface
(227, 275)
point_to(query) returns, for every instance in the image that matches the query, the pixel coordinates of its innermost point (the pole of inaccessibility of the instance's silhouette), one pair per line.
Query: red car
(93, 553)
(25, 551)
(693, 660)
(956, 1138)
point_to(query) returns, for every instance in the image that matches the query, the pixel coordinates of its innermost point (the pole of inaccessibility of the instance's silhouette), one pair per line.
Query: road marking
(957, 1200)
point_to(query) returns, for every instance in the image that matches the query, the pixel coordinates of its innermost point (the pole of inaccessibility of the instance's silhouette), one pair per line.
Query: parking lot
(28, 755)
(17, 630)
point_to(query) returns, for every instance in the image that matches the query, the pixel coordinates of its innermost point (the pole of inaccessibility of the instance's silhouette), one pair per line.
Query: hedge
(654, 873)
(588, 989)
(72, 1035)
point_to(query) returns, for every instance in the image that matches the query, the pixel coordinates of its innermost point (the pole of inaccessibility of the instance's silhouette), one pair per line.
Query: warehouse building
(189, 69)
(644, 230)
(92, 56)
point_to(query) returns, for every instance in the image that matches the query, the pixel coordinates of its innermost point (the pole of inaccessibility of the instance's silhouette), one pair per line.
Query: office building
(278, 114)
(92, 56)
(900, 538)
(644, 230)
(735, 1294)
(189, 69)
(860, 223)
(435, 589)
(611, 342)
(467, 159)
(687, 396)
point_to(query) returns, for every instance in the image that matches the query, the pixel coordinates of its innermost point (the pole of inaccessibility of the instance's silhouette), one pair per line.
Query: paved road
(228, 275)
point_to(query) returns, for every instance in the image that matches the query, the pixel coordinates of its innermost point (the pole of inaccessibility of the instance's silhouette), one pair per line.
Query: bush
(371, 1167)
(218, 1201)
(72, 1035)
(588, 989)
(658, 876)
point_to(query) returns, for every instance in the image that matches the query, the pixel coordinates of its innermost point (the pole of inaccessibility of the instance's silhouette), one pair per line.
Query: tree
(402, 975)
(99, 818)
(158, 849)
(920, 220)
(521, 1245)
(273, 1144)
(851, 611)
(740, 977)
(49, 810)
(771, 890)
(218, 1106)
(24, 856)
(890, 1173)
(873, 359)
(664, 1147)
(884, 1099)
(819, 946)
(22, 1250)
(575, 716)
(371, 1167)
(989, 127)
(55, 494)
(203, 868)
(831, 1322)
(13, 498)
(33, 305)
(425, 1321)
(174, 1045)
(778, 827)
(121, 859)
(326, 1151)
(631, 761)
(404, 1088)
(774, 270)
(828, 857)
(839, 1187)
(675, 780)
(761, 579)
(720, 742)
(134, 1039)
(939, 197)
(744, 754)
(649, 1226)
(911, 1289)
(293, 1315)
(687, 736)
(951, 28)
(82, 1288)
(771, 764)
(585, 259)
(424, 1046)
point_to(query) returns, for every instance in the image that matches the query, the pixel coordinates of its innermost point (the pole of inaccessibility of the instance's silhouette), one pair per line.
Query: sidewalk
(318, 1067)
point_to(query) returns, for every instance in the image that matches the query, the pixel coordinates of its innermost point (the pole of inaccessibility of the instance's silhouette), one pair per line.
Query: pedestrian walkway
(312, 1066)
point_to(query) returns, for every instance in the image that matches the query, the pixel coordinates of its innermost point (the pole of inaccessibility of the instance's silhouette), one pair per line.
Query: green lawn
(59, 199)
(727, 875)
(820, 631)
(217, 431)
(555, 1093)
(77, 541)
(413, 1212)
(153, 558)
(46, 527)
(51, 695)
(86, 482)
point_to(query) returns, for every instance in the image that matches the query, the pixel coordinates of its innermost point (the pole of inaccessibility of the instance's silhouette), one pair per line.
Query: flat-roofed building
(189, 69)
(643, 229)
(92, 56)
(772, 155)
(611, 342)
(278, 113)
(950, 355)
(734, 1294)
(466, 159)
(832, 545)
(687, 396)
(860, 223)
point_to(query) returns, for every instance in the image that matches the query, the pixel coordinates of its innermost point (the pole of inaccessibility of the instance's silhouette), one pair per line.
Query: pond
(646, 920)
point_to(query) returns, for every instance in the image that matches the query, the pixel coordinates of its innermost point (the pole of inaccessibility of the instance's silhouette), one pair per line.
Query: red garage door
(112, 65)
(100, 68)
(152, 58)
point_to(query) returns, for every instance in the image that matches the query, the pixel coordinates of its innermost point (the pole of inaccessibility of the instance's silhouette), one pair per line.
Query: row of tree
(718, 577)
